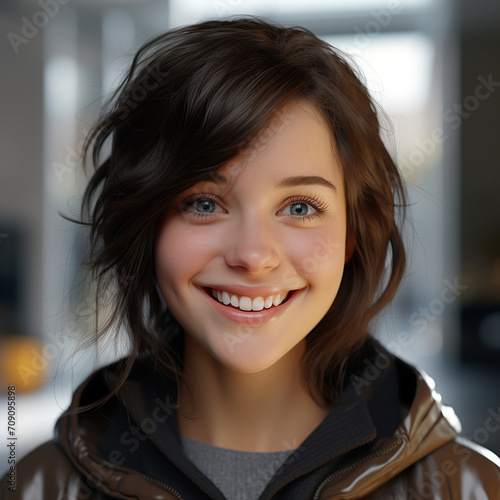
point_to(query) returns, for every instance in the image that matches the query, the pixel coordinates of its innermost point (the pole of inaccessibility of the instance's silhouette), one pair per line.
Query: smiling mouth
(244, 303)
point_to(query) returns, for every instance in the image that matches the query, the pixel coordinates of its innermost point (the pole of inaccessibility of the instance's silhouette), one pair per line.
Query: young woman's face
(251, 260)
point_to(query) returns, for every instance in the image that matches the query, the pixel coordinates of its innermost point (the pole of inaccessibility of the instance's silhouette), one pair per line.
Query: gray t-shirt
(240, 475)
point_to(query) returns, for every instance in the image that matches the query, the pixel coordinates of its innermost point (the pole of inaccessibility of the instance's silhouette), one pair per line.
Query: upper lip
(249, 291)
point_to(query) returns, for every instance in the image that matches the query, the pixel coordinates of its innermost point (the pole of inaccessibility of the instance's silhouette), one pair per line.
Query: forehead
(296, 141)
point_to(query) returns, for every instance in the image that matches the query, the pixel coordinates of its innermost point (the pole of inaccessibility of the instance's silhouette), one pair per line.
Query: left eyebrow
(305, 180)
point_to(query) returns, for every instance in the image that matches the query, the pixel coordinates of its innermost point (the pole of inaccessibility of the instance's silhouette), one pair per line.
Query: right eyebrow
(216, 178)
(305, 180)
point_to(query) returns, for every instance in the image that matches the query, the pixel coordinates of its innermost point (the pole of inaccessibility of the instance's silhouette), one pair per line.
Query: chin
(251, 356)
(247, 366)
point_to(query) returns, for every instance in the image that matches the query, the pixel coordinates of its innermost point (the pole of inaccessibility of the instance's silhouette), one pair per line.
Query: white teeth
(246, 303)
(226, 299)
(234, 301)
(258, 304)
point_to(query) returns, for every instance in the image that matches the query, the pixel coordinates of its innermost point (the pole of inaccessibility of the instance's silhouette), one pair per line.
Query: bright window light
(189, 11)
(397, 67)
(61, 85)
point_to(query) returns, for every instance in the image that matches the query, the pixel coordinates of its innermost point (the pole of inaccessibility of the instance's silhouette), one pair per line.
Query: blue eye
(201, 205)
(304, 208)
(299, 209)
(205, 206)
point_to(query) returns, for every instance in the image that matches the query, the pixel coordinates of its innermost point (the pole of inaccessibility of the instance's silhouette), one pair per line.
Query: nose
(252, 247)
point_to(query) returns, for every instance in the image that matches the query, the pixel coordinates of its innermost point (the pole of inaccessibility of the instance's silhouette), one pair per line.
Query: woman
(242, 221)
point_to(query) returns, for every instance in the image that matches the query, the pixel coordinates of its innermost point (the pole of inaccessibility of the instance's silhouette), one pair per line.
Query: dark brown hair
(195, 97)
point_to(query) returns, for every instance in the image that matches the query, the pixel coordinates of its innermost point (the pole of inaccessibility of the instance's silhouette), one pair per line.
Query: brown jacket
(422, 459)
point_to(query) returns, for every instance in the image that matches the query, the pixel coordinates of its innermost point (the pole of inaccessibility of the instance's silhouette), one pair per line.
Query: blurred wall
(21, 169)
(479, 115)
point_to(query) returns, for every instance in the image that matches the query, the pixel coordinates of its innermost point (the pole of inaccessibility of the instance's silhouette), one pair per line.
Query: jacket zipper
(149, 479)
(352, 466)
(274, 492)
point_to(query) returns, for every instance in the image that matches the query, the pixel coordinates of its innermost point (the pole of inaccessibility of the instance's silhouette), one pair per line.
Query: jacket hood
(368, 456)
(427, 426)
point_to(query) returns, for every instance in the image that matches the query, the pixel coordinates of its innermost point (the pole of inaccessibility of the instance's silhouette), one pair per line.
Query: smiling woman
(242, 243)
(251, 203)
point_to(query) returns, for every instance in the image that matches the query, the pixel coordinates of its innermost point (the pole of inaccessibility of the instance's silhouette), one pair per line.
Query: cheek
(182, 250)
(318, 256)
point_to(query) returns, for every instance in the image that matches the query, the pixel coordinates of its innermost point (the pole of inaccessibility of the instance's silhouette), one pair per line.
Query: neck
(270, 410)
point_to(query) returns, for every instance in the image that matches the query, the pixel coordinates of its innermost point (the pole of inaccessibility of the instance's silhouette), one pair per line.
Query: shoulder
(457, 470)
(44, 473)
(461, 468)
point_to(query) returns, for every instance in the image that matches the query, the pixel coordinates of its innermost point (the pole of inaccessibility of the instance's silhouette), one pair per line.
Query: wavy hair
(193, 98)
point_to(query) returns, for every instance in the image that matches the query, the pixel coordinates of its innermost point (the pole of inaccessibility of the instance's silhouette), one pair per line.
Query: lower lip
(251, 318)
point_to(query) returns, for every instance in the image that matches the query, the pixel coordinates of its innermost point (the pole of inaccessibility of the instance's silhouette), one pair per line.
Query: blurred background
(434, 67)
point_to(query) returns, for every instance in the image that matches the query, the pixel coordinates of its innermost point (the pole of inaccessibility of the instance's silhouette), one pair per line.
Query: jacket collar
(345, 441)
(428, 425)
(157, 449)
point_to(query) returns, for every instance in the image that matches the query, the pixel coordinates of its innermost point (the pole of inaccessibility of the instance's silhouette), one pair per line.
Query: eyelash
(185, 206)
(319, 206)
